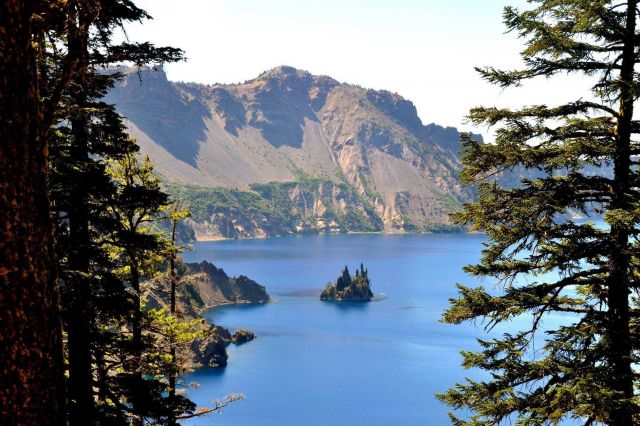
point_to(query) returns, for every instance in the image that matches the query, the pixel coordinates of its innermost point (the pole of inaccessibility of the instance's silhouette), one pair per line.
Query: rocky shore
(203, 286)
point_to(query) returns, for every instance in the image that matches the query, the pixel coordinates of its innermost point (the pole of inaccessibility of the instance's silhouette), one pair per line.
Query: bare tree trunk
(31, 370)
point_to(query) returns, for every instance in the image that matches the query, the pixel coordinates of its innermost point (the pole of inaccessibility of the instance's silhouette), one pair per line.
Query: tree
(136, 250)
(579, 157)
(44, 47)
(31, 371)
(53, 57)
(86, 133)
(344, 280)
(145, 349)
(175, 216)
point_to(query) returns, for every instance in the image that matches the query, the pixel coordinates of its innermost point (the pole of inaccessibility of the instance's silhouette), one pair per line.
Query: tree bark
(619, 262)
(136, 328)
(79, 323)
(173, 277)
(31, 369)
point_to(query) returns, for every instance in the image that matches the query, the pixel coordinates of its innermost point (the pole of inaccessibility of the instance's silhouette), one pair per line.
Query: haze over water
(319, 363)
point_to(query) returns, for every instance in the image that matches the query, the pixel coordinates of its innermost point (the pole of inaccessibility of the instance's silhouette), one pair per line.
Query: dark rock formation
(242, 336)
(211, 351)
(215, 287)
(346, 288)
(203, 286)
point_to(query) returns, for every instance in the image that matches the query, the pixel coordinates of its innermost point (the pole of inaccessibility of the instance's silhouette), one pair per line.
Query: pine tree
(86, 133)
(148, 363)
(344, 280)
(580, 157)
(52, 59)
(175, 216)
(136, 248)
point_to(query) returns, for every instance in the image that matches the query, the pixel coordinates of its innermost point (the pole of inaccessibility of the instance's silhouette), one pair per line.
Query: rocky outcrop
(242, 336)
(356, 289)
(298, 153)
(211, 351)
(208, 286)
(203, 286)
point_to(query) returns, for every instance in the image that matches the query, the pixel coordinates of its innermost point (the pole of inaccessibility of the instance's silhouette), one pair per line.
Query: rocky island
(357, 289)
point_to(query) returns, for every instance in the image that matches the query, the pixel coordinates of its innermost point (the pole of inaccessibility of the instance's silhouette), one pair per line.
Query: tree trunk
(79, 322)
(31, 371)
(136, 326)
(619, 278)
(136, 329)
(173, 278)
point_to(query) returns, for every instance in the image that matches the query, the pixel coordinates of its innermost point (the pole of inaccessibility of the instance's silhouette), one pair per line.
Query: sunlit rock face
(316, 155)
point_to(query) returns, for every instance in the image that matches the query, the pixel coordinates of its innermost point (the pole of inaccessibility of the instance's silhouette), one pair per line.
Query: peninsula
(204, 286)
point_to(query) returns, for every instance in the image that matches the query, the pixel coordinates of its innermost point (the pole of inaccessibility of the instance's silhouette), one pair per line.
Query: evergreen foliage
(583, 369)
(122, 358)
(53, 50)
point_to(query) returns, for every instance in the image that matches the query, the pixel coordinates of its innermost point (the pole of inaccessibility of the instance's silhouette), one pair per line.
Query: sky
(425, 50)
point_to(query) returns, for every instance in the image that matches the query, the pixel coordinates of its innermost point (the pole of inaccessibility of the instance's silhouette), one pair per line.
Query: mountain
(290, 152)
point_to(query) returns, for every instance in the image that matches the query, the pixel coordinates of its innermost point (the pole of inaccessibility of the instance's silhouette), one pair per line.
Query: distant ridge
(291, 152)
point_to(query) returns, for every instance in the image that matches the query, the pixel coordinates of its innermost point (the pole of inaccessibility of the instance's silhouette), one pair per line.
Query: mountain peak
(284, 71)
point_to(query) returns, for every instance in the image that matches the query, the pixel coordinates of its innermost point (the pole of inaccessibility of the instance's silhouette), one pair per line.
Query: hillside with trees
(79, 239)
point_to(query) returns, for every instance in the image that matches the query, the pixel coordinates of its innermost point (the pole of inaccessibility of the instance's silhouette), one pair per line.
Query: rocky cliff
(291, 152)
(202, 286)
(207, 286)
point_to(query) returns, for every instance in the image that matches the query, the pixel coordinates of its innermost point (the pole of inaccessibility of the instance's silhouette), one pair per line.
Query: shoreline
(205, 309)
(453, 230)
(219, 238)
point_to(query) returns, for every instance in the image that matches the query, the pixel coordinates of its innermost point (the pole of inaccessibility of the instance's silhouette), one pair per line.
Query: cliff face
(277, 209)
(207, 286)
(313, 154)
(203, 286)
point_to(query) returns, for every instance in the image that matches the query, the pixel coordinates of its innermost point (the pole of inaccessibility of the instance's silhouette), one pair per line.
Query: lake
(321, 363)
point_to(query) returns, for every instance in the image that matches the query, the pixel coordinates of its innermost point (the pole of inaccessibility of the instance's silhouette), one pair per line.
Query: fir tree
(149, 362)
(175, 216)
(86, 133)
(54, 54)
(136, 248)
(344, 280)
(546, 262)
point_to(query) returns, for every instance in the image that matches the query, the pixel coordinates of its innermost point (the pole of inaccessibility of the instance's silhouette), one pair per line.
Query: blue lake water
(323, 363)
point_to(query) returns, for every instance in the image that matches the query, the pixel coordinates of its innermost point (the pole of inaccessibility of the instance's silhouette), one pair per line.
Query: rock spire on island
(357, 289)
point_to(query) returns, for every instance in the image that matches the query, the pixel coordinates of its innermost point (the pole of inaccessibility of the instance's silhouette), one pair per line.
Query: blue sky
(425, 50)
